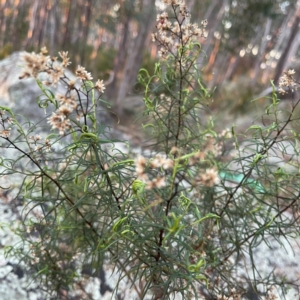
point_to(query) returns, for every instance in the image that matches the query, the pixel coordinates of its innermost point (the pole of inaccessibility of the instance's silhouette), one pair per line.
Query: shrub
(174, 221)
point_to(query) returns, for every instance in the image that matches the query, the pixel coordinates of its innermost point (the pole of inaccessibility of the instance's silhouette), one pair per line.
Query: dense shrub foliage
(177, 219)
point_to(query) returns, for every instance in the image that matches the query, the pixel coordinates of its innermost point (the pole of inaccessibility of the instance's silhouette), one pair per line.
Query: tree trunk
(32, 18)
(85, 30)
(213, 23)
(232, 66)
(209, 12)
(3, 22)
(70, 16)
(42, 28)
(34, 24)
(288, 47)
(54, 26)
(262, 50)
(135, 55)
(20, 13)
(120, 59)
(275, 43)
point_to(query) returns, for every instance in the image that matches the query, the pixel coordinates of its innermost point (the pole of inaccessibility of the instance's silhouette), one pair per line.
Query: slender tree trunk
(288, 46)
(209, 12)
(97, 42)
(262, 50)
(78, 35)
(42, 29)
(3, 21)
(9, 12)
(85, 29)
(213, 55)
(221, 63)
(37, 25)
(213, 22)
(232, 66)
(120, 59)
(275, 43)
(135, 56)
(54, 26)
(191, 4)
(20, 13)
(32, 24)
(70, 16)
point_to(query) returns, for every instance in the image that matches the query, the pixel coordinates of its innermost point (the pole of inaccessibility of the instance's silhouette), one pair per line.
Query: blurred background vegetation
(249, 42)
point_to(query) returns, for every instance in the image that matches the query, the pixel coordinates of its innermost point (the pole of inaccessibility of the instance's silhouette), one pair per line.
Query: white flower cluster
(209, 178)
(158, 162)
(287, 81)
(173, 35)
(41, 62)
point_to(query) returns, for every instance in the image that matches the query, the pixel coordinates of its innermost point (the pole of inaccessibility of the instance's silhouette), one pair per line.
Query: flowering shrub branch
(175, 221)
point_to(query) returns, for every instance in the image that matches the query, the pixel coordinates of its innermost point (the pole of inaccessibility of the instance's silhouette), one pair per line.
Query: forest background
(249, 42)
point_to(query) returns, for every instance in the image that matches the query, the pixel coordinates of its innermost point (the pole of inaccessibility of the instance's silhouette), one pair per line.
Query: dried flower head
(174, 151)
(44, 50)
(47, 144)
(65, 110)
(66, 101)
(37, 63)
(9, 120)
(71, 84)
(209, 178)
(171, 36)
(157, 183)
(161, 162)
(65, 58)
(287, 81)
(140, 163)
(226, 133)
(55, 73)
(34, 64)
(5, 133)
(100, 86)
(212, 145)
(198, 157)
(82, 74)
(60, 122)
